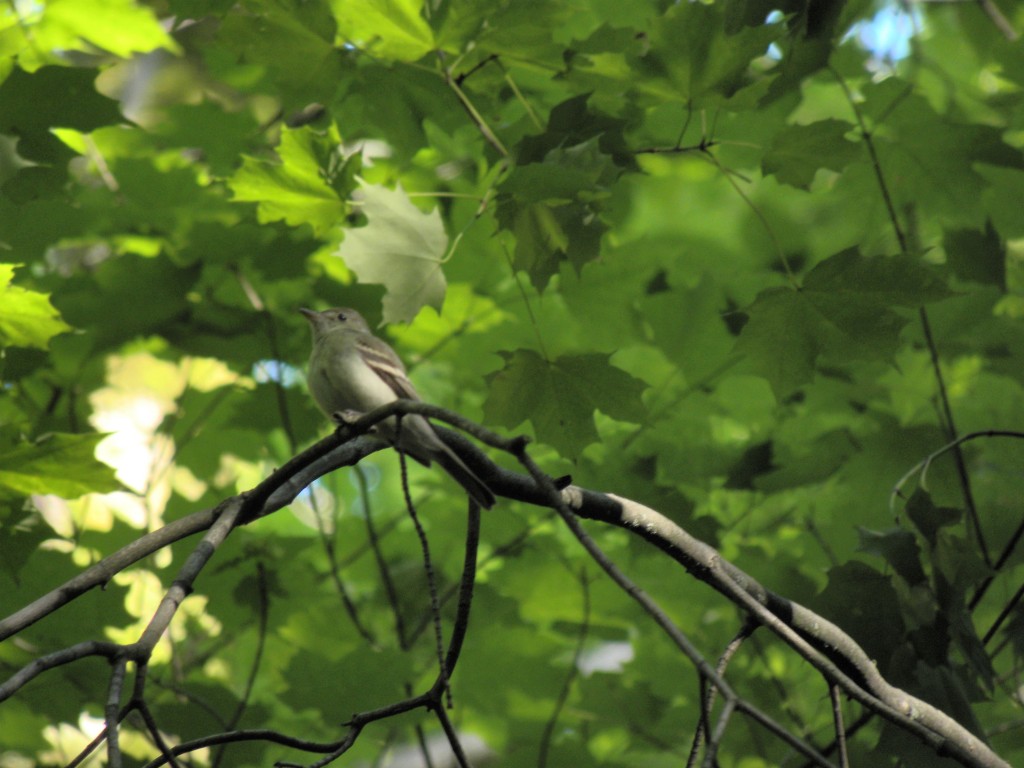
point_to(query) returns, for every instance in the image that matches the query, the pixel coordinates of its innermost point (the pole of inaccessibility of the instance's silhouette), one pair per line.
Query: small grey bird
(350, 369)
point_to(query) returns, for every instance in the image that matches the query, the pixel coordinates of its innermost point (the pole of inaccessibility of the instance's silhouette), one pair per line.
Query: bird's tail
(419, 440)
(464, 476)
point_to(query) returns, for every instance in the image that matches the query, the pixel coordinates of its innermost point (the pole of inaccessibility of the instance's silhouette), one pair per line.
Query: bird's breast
(342, 381)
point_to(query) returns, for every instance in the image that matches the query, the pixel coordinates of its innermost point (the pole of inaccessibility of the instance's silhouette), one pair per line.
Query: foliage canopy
(725, 259)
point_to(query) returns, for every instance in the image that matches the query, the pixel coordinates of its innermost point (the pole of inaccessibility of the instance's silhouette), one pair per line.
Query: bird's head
(331, 321)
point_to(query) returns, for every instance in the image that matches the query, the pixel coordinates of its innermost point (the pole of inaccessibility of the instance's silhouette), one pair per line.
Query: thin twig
(474, 115)
(658, 615)
(334, 570)
(112, 708)
(378, 556)
(837, 720)
(261, 639)
(947, 411)
(1002, 23)
(715, 739)
(428, 568)
(951, 433)
(570, 678)
(1008, 549)
(708, 697)
(1004, 614)
(925, 463)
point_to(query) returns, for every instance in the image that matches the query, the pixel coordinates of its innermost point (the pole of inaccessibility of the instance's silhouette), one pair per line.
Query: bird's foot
(345, 418)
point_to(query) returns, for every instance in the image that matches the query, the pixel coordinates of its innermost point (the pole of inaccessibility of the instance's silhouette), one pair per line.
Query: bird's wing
(386, 364)
(417, 437)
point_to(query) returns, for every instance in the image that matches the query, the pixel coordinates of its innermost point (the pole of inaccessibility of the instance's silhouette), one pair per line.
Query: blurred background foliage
(710, 255)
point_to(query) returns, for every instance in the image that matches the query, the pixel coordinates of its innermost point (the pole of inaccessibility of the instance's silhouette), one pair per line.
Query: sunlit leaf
(58, 464)
(122, 27)
(389, 29)
(293, 188)
(27, 319)
(401, 248)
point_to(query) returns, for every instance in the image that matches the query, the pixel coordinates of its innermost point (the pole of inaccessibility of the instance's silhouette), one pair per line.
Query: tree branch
(834, 653)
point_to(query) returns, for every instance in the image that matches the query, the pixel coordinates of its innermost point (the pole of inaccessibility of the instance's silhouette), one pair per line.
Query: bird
(350, 369)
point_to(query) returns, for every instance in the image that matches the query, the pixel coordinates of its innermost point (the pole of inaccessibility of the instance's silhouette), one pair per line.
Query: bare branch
(830, 650)
(58, 658)
(837, 719)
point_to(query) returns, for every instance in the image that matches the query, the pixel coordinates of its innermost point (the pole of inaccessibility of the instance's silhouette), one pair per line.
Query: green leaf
(782, 339)
(527, 30)
(559, 398)
(799, 151)
(553, 205)
(687, 325)
(1001, 187)
(60, 464)
(935, 160)
(548, 235)
(388, 29)
(977, 255)
(217, 131)
(844, 309)
(295, 188)
(752, 13)
(863, 602)
(701, 63)
(401, 248)
(137, 295)
(572, 128)
(897, 281)
(33, 103)
(898, 548)
(21, 532)
(122, 27)
(27, 319)
(928, 518)
(289, 48)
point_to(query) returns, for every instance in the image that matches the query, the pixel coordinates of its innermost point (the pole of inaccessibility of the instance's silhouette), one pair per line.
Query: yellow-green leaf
(27, 319)
(60, 464)
(388, 29)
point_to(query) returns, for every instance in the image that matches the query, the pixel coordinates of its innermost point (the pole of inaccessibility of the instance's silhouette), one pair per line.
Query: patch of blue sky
(274, 370)
(888, 34)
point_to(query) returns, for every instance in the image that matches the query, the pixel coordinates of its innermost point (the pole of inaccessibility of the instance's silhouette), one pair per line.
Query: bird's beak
(316, 320)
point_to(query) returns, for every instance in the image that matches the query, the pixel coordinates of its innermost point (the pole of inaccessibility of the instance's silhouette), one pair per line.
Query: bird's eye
(342, 317)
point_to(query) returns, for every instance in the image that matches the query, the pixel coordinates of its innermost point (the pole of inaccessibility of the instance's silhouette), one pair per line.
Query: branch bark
(834, 653)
